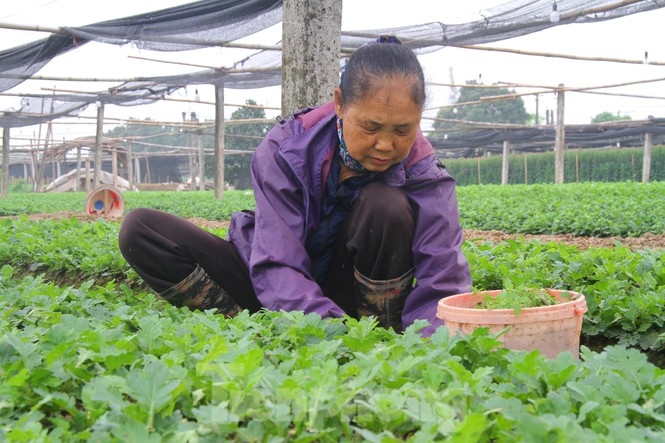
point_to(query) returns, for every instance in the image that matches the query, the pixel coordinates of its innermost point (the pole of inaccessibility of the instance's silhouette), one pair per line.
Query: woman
(354, 215)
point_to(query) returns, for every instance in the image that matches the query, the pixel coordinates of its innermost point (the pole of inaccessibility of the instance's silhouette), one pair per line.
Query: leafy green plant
(106, 364)
(520, 298)
(86, 354)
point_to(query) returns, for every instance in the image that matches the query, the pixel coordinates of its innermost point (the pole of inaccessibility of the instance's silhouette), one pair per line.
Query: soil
(647, 241)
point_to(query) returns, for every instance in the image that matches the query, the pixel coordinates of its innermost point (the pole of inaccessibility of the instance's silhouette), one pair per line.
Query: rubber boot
(199, 291)
(383, 299)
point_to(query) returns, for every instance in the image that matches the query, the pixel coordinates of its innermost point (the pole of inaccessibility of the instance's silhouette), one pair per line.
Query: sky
(624, 38)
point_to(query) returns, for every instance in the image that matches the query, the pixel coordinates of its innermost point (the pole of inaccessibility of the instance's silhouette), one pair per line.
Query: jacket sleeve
(279, 264)
(440, 266)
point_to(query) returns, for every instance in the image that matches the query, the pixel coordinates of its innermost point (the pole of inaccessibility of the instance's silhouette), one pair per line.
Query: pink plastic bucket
(550, 329)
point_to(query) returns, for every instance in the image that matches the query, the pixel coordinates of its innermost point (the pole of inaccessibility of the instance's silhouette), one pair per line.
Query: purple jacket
(289, 170)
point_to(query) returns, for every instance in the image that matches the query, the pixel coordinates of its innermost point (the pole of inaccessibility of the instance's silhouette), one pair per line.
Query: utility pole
(311, 31)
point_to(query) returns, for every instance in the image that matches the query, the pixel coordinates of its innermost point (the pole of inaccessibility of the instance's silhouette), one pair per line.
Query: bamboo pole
(98, 144)
(559, 141)
(505, 162)
(77, 188)
(217, 68)
(130, 167)
(577, 166)
(4, 192)
(182, 40)
(220, 130)
(646, 158)
(568, 89)
(554, 55)
(172, 99)
(478, 165)
(114, 166)
(87, 174)
(526, 170)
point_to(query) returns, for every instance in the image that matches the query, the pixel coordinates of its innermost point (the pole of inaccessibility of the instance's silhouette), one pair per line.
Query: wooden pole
(130, 167)
(560, 138)
(114, 166)
(87, 174)
(202, 170)
(505, 162)
(98, 144)
(559, 55)
(577, 166)
(77, 187)
(4, 192)
(526, 170)
(147, 169)
(137, 170)
(33, 167)
(478, 162)
(646, 158)
(219, 141)
(311, 40)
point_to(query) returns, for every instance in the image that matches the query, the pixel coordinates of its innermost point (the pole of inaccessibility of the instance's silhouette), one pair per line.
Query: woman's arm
(279, 265)
(440, 266)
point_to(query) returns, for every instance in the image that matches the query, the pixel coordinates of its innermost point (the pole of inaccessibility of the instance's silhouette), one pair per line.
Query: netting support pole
(202, 161)
(130, 167)
(559, 138)
(77, 187)
(311, 43)
(646, 158)
(4, 192)
(98, 145)
(219, 141)
(114, 166)
(505, 162)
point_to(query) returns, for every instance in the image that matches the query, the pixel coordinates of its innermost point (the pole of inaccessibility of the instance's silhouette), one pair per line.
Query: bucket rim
(470, 314)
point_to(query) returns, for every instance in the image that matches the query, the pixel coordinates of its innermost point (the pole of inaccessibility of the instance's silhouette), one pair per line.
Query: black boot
(383, 299)
(199, 291)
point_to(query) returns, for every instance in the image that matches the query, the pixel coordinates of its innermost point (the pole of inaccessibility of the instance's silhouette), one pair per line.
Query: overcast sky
(627, 37)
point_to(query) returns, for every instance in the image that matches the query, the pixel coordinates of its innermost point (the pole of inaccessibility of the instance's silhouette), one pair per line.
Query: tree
(604, 117)
(242, 137)
(146, 137)
(496, 111)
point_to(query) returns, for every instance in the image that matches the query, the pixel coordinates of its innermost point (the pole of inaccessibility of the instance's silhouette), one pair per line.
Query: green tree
(496, 111)
(604, 117)
(241, 137)
(145, 136)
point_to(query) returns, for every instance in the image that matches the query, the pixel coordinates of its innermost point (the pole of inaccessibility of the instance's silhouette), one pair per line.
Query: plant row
(624, 288)
(106, 364)
(580, 165)
(584, 209)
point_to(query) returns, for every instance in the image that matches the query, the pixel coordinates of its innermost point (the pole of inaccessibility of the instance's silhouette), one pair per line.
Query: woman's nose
(384, 144)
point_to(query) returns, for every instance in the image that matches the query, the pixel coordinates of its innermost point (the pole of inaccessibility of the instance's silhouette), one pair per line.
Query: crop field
(89, 353)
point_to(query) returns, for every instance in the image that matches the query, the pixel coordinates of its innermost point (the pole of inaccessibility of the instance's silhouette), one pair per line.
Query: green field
(87, 352)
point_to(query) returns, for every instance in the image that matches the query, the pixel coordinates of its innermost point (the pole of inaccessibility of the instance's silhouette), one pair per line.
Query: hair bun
(388, 39)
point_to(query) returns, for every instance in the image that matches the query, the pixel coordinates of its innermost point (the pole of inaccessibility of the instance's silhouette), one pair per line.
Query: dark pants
(375, 239)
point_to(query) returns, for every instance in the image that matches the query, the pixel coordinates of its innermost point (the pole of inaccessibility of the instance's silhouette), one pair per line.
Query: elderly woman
(354, 214)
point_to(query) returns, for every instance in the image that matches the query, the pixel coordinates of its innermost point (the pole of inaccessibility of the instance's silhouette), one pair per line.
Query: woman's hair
(372, 62)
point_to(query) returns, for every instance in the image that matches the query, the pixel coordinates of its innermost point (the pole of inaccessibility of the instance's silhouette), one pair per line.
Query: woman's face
(380, 128)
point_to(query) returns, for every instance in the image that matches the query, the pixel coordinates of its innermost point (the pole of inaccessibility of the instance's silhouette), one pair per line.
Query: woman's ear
(337, 99)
